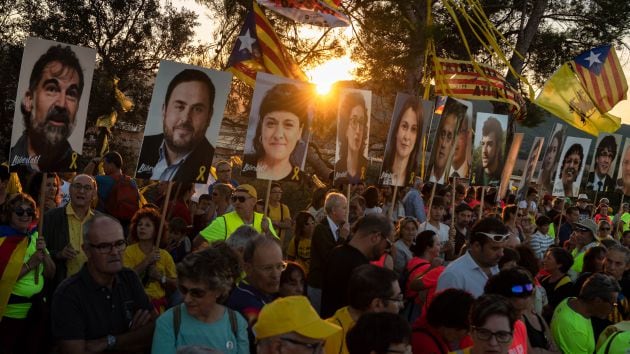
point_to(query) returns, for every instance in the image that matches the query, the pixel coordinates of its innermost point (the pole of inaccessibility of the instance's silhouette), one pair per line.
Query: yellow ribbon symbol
(411, 177)
(362, 172)
(296, 176)
(73, 163)
(202, 171)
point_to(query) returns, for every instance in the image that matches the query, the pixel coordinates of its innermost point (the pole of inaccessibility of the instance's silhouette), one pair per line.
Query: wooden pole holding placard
(431, 199)
(453, 201)
(169, 188)
(391, 210)
(560, 222)
(483, 195)
(594, 201)
(40, 222)
(619, 222)
(267, 198)
(348, 205)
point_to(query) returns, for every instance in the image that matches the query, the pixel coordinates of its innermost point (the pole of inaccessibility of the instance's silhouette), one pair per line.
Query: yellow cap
(249, 189)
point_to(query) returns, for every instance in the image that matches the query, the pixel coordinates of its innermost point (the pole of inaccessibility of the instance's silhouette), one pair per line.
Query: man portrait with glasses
(352, 139)
(63, 228)
(103, 306)
(603, 165)
(290, 325)
(471, 271)
(243, 200)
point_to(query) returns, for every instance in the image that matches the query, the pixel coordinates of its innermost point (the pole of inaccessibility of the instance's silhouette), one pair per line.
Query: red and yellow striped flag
(601, 74)
(12, 250)
(258, 48)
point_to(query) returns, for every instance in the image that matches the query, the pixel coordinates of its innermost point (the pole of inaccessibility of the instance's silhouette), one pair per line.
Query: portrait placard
(488, 149)
(51, 107)
(571, 167)
(550, 158)
(510, 161)
(623, 173)
(403, 149)
(600, 178)
(183, 124)
(353, 132)
(530, 167)
(279, 129)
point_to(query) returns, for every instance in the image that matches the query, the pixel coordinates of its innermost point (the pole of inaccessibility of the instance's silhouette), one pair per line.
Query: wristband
(28, 267)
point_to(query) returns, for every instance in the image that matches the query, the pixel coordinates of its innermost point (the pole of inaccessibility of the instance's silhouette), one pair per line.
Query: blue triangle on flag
(594, 59)
(246, 46)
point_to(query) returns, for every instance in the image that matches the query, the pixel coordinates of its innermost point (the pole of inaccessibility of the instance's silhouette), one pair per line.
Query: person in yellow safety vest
(244, 200)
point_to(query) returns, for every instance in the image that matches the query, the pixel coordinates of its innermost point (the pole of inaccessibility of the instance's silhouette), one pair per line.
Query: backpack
(406, 273)
(123, 200)
(177, 320)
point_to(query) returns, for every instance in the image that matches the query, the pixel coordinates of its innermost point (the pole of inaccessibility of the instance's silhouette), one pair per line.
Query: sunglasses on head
(495, 237)
(20, 212)
(239, 198)
(581, 228)
(524, 289)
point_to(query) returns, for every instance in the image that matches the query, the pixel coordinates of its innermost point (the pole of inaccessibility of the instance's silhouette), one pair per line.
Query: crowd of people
(119, 267)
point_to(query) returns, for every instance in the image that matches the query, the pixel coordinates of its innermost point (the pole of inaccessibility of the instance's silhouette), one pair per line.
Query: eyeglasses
(79, 187)
(270, 268)
(581, 228)
(315, 347)
(20, 212)
(486, 334)
(239, 198)
(395, 298)
(356, 122)
(408, 350)
(521, 215)
(604, 229)
(107, 247)
(525, 289)
(495, 237)
(194, 292)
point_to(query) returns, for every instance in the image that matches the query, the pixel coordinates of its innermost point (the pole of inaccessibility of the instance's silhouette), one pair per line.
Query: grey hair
(599, 285)
(87, 227)
(621, 249)
(254, 243)
(333, 199)
(239, 238)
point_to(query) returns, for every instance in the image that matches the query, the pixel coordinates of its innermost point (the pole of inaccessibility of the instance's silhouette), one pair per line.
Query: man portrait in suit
(599, 179)
(181, 152)
(491, 167)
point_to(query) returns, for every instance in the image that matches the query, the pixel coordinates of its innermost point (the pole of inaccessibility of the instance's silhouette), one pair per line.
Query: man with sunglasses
(571, 324)
(371, 237)
(290, 325)
(104, 306)
(63, 228)
(243, 200)
(471, 271)
(584, 237)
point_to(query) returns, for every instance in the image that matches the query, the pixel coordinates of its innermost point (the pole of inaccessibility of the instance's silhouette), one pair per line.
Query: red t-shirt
(426, 340)
(519, 340)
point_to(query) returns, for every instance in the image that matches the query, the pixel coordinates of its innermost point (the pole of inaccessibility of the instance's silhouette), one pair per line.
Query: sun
(326, 74)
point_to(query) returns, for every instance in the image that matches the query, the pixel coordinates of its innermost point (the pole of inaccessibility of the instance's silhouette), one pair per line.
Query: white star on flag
(593, 59)
(246, 41)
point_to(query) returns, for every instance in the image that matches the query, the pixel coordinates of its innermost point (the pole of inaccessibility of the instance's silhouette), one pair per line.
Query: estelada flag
(565, 97)
(600, 72)
(323, 13)
(258, 48)
(12, 251)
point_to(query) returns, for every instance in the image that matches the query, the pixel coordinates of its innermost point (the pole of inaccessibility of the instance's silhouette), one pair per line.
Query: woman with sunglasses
(205, 279)
(530, 330)
(154, 265)
(24, 266)
(299, 249)
(492, 319)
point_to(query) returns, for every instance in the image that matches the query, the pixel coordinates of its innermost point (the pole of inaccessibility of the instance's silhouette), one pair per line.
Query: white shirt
(465, 274)
(162, 170)
(333, 228)
(442, 232)
(462, 171)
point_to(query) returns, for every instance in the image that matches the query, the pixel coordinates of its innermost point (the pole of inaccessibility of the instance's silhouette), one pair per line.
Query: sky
(341, 68)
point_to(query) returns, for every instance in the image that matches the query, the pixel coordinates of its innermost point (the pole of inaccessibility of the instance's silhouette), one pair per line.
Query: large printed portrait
(447, 137)
(53, 95)
(601, 177)
(353, 131)
(530, 167)
(623, 174)
(404, 142)
(183, 124)
(279, 129)
(571, 167)
(489, 146)
(550, 158)
(508, 166)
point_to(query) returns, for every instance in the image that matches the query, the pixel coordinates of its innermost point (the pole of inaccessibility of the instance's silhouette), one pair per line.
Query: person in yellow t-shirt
(299, 249)
(279, 213)
(154, 265)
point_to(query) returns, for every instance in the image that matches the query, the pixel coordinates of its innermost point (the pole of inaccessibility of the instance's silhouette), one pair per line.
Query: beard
(44, 137)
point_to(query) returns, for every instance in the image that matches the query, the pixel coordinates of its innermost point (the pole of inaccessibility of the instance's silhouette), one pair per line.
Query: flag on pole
(325, 13)
(600, 72)
(565, 97)
(258, 48)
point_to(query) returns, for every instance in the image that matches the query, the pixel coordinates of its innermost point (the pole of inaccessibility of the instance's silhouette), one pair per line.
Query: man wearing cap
(243, 200)
(567, 228)
(582, 205)
(584, 232)
(290, 325)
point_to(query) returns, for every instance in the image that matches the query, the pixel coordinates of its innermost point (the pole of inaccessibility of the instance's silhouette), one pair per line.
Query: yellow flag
(565, 97)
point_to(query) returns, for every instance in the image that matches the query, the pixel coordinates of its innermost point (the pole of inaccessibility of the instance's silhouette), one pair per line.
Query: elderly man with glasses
(104, 306)
(471, 271)
(63, 228)
(243, 200)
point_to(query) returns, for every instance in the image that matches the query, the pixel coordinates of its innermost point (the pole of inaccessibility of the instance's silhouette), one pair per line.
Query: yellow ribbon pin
(411, 177)
(296, 176)
(73, 163)
(362, 172)
(202, 171)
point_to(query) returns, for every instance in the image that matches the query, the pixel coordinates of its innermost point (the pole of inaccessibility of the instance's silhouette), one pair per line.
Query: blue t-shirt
(217, 335)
